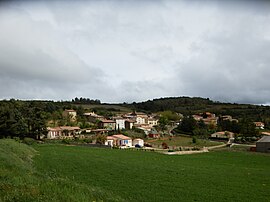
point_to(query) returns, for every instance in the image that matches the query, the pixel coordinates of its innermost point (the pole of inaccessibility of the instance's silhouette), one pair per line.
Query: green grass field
(183, 141)
(72, 173)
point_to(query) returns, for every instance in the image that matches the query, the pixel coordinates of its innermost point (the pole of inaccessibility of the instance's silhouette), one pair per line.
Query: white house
(110, 141)
(138, 142)
(119, 140)
(140, 119)
(119, 122)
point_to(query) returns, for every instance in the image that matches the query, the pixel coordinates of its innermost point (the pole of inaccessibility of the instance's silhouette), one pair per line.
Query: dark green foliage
(248, 128)
(21, 119)
(187, 105)
(85, 101)
(226, 125)
(194, 140)
(28, 141)
(187, 125)
(163, 122)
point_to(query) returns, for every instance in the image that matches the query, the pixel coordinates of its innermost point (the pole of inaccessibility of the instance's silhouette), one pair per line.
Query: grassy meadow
(184, 141)
(50, 172)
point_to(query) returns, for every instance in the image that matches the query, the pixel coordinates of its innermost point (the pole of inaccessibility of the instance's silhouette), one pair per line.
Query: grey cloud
(35, 64)
(135, 50)
(231, 68)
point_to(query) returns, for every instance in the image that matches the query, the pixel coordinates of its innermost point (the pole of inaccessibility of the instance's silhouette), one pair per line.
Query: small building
(129, 124)
(118, 140)
(153, 134)
(266, 133)
(93, 117)
(119, 122)
(138, 141)
(223, 135)
(111, 141)
(263, 145)
(152, 122)
(71, 114)
(63, 132)
(107, 124)
(259, 125)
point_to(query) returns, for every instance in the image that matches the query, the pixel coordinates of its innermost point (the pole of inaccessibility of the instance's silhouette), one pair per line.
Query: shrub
(194, 140)
(29, 141)
(164, 145)
(17, 139)
(66, 141)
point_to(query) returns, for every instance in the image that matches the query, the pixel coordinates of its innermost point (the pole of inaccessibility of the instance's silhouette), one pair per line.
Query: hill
(188, 105)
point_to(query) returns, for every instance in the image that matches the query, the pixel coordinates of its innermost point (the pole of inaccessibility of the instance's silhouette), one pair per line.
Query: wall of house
(139, 142)
(120, 123)
(140, 120)
(263, 147)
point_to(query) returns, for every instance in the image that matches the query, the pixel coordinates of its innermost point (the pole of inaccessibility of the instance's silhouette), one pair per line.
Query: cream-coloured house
(223, 134)
(119, 140)
(70, 113)
(152, 122)
(62, 132)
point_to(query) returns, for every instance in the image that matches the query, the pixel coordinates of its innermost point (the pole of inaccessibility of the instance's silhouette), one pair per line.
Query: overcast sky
(125, 51)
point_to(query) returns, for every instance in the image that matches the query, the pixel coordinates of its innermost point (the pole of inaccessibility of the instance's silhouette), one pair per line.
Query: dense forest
(31, 118)
(187, 106)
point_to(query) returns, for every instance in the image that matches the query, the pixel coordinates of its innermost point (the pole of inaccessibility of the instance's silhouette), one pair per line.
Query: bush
(194, 140)
(29, 141)
(17, 139)
(164, 145)
(66, 141)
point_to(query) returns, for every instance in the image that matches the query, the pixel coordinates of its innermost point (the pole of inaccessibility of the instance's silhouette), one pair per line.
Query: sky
(124, 51)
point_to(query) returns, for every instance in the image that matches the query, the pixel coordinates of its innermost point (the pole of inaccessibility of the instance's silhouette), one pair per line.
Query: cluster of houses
(144, 122)
(126, 121)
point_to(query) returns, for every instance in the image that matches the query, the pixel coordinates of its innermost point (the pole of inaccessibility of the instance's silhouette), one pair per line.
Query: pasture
(73, 173)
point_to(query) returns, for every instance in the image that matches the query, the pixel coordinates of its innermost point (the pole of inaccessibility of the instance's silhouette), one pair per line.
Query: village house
(107, 124)
(266, 133)
(118, 140)
(152, 122)
(129, 124)
(259, 125)
(62, 132)
(207, 117)
(263, 145)
(153, 134)
(223, 135)
(93, 117)
(119, 122)
(71, 114)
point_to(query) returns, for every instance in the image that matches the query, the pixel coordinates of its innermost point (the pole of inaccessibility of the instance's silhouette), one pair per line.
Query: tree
(188, 124)
(248, 128)
(101, 139)
(163, 122)
(171, 116)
